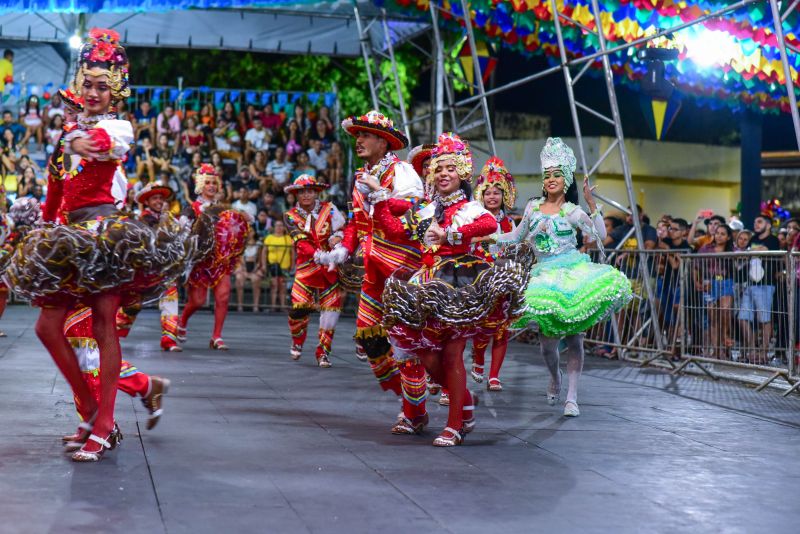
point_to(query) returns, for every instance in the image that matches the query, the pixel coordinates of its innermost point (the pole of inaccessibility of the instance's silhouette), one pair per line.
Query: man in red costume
(376, 137)
(312, 224)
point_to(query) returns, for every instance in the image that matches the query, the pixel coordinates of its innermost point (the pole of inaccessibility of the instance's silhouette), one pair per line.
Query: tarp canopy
(280, 26)
(732, 60)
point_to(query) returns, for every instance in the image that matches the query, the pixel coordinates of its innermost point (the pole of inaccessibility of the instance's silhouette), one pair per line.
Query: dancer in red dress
(399, 186)
(312, 225)
(100, 257)
(432, 312)
(214, 271)
(495, 190)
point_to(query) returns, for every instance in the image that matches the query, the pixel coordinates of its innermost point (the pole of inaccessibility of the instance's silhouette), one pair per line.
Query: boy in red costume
(495, 189)
(155, 199)
(400, 185)
(312, 224)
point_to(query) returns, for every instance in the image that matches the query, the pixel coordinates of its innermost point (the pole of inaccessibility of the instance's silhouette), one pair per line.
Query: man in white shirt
(317, 157)
(279, 171)
(244, 204)
(256, 138)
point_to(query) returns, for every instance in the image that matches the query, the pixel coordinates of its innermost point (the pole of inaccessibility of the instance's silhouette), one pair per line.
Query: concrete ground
(254, 442)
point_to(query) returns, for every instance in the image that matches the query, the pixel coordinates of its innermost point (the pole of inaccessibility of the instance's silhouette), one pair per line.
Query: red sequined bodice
(90, 187)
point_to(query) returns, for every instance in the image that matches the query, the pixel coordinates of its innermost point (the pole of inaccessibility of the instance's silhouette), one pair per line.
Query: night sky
(548, 97)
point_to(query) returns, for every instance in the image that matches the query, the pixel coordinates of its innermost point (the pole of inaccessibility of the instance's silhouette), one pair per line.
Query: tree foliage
(272, 72)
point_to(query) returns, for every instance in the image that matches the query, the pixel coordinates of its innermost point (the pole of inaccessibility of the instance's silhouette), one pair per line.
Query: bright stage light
(75, 42)
(708, 48)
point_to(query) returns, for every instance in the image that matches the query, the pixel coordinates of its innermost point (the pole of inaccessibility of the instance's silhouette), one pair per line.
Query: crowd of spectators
(256, 150)
(736, 304)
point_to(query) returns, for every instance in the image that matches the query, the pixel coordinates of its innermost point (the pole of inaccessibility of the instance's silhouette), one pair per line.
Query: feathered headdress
(450, 147)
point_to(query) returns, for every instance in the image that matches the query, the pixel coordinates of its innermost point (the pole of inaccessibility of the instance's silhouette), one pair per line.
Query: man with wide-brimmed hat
(313, 224)
(154, 199)
(375, 139)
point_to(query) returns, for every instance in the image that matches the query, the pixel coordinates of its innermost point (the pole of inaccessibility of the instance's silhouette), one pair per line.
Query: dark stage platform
(254, 442)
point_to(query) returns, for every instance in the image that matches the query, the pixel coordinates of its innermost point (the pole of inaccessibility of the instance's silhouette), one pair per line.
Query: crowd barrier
(728, 315)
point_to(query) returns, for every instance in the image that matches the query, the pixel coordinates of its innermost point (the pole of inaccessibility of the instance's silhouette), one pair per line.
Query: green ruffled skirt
(568, 294)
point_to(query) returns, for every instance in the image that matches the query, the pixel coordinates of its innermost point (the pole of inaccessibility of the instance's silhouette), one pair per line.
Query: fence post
(682, 304)
(791, 261)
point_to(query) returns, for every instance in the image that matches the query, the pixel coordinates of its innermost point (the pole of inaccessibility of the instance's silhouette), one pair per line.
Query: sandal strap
(453, 431)
(468, 408)
(101, 441)
(86, 426)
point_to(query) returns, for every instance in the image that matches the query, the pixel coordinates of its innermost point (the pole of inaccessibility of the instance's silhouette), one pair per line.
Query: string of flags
(744, 69)
(280, 100)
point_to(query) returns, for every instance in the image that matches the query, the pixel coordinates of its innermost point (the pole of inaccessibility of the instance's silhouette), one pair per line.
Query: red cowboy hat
(305, 181)
(152, 189)
(378, 124)
(418, 155)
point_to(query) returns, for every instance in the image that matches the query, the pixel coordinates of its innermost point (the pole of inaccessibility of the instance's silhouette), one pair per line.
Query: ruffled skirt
(457, 297)
(568, 294)
(59, 264)
(230, 237)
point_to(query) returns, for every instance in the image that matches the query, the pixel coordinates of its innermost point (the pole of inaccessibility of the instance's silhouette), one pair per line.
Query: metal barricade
(740, 316)
(631, 333)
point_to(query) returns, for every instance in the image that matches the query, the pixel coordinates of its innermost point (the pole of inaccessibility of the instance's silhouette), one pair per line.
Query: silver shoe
(552, 398)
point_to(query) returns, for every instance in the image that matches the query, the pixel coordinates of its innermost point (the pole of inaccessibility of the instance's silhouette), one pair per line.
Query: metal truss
(377, 49)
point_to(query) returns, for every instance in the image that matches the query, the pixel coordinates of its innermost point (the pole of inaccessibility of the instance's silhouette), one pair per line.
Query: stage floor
(252, 441)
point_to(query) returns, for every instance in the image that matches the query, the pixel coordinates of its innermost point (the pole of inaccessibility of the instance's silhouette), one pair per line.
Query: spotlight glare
(707, 48)
(75, 42)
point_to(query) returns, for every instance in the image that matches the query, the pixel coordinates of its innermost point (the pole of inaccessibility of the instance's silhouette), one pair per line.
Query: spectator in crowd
(55, 107)
(244, 204)
(144, 121)
(256, 139)
(258, 167)
(228, 113)
(716, 274)
(31, 117)
(244, 180)
(756, 306)
(262, 225)
(250, 268)
(9, 152)
(325, 117)
(299, 116)
(227, 140)
(648, 233)
(612, 223)
(279, 252)
(6, 69)
(271, 120)
(145, 161)
(321, 133)
(193, 140)
(792, 231)
(162, 158)
(335, 167)
(26, 182)
(711, 221)
(279, 171)
(743, 240)
(292, 139)
(303, 166)
(9, 123)
(169, 124)
(668, 286)
(268, 204)
(208, 119)
(317, 157)
(782, 239)
(247, 118)
(53, 132)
